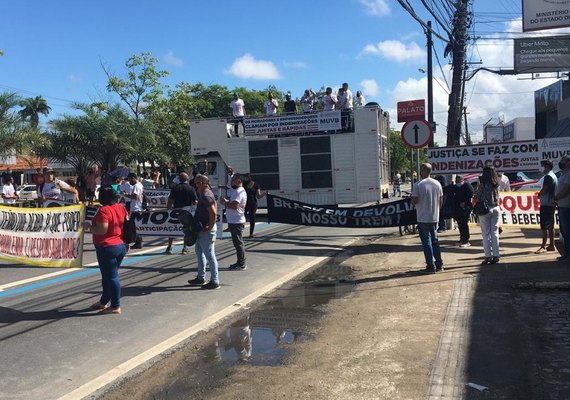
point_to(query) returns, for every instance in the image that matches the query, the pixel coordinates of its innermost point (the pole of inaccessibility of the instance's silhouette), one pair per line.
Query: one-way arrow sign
(417, 133)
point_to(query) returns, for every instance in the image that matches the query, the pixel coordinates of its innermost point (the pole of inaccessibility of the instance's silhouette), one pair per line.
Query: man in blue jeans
(427, 197)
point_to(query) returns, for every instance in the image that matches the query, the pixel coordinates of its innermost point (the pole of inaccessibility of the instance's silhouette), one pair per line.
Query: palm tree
(32, 108)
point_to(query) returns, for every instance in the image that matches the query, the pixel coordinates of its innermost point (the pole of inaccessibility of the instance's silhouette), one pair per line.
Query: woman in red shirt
(107, 230)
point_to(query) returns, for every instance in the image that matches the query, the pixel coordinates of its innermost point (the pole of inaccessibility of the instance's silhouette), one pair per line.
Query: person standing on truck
(345, 101)
(270, 105)
(308, 100)
(238, 111)
(290, 105)
(235, 214)
(329, 100)
(360, 100)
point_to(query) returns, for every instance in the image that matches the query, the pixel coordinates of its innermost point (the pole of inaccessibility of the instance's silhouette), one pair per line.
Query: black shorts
(546, 217)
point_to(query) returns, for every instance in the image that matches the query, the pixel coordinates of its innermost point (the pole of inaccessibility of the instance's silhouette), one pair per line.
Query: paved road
(52, 346)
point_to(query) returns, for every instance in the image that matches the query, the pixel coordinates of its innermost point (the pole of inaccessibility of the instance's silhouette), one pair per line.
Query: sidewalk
(403, 334)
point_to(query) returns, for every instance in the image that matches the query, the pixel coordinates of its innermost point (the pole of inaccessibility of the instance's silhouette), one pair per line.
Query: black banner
(280, 209)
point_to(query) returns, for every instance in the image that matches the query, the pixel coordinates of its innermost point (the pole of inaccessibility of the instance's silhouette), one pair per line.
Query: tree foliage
(32, 107)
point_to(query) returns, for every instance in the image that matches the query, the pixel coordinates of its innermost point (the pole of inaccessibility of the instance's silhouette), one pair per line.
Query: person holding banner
(181, 195)
(562, 198)
(488, 191)
(9, 191)
(52, 188)
(107, 229)
(427, 197)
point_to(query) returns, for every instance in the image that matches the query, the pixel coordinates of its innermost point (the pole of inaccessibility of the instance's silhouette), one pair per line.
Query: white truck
(324, 158)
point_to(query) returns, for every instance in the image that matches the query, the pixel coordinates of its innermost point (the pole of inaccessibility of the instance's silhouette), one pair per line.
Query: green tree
(139, 90)
(101, 136)
(32, 107)
(399, 154)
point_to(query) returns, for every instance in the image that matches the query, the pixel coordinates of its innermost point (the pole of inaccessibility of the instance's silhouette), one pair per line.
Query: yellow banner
(46, 237)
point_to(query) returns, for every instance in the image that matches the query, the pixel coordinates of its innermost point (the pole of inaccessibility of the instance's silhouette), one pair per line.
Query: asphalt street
(53, 347)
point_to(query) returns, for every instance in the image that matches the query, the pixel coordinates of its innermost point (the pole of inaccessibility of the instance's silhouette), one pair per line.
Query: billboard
(411, 110)
(547, 98)
(545, 14)
(542, 54)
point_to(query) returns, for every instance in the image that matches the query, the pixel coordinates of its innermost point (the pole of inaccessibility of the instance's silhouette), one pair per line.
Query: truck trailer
(324, 157)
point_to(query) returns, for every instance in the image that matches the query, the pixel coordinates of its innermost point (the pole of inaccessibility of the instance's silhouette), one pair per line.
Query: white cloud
(247, 67)
(295, 64)
(395, 50)
(170, 59)
(376, 7)
(75, 78)
(370, 87)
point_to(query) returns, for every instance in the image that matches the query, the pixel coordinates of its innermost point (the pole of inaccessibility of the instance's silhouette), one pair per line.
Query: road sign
(411, 109)
(417, 133)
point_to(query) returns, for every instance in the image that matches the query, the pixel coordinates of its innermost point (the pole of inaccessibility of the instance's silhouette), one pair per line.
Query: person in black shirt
(463, 207)
(181, 195)
(290, 105)
(254, 193)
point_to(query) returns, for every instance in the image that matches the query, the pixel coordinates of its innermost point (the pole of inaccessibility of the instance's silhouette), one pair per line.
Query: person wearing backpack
(53, 188)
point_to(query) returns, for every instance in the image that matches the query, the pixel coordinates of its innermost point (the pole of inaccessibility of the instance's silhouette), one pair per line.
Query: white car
(27, 192)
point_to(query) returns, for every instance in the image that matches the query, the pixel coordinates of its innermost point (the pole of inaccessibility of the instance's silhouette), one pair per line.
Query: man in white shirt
(270, 105)
(346, 108)
(9, 191)
(238, 111)
(427, 197)
(235, 214)
(329, 100)
(505, 183)
(307, 100)
(136, 204)
(52, 188)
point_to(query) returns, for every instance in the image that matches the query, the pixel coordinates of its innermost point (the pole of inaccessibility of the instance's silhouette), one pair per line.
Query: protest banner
(47, 237)
(280, 209)
(287, 124)
(163, 223)
(505, 157)
(157, 198)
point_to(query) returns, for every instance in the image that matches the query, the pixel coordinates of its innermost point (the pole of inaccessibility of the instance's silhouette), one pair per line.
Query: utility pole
(430, 81)
(458, 47)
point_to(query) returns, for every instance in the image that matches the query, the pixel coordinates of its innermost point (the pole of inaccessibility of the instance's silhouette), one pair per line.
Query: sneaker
(494, 260)
(197, 282)
(441, 230)
(168, 251)
(211, 285)
(429, 270)
(238, 267)
(465, 244)
(136, 246)
(440, 268)
(184, 251)
(551, 248)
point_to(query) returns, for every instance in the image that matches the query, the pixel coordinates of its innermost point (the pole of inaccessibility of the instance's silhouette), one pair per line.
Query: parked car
(27, 192)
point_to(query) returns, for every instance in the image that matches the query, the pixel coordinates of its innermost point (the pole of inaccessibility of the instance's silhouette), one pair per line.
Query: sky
(57, 49)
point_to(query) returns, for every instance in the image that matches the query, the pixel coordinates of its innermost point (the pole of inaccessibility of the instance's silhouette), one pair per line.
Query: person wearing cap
(562, 198)
(53, 188)
(238, 110)
(547, 206)
(290, 105)
(181, 196)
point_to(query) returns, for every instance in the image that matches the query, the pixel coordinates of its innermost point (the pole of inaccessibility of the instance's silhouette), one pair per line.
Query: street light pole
(430, 81)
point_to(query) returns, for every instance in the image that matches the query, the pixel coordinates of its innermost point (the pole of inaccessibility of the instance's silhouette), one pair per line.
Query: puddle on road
(261, 337)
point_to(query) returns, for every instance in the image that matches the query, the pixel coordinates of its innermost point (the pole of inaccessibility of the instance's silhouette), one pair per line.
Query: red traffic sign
(417, 133)
(411, 109)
